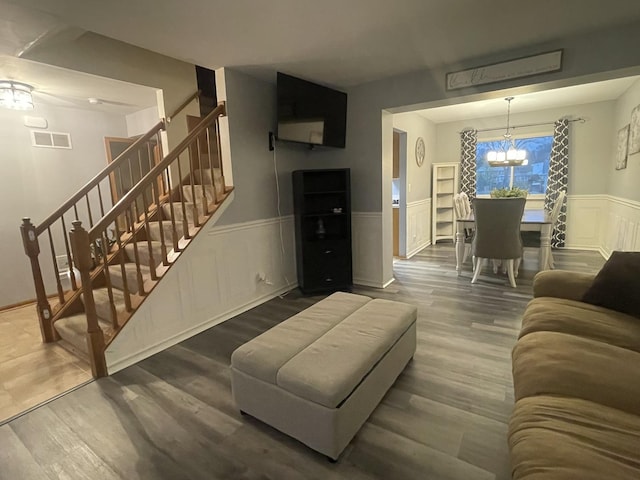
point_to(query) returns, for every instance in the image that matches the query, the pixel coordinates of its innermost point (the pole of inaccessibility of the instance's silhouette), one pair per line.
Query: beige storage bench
(318, 375)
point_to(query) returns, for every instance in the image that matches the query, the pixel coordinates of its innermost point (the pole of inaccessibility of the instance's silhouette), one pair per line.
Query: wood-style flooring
(172, 416)
(32, 372)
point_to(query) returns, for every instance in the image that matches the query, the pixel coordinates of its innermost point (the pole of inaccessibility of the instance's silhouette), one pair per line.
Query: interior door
(131, 171)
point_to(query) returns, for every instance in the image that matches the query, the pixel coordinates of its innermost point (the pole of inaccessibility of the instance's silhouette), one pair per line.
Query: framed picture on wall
(634, 132)
(623, 145)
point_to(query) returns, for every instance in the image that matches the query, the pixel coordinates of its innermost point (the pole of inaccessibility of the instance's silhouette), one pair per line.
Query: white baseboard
(418, 249)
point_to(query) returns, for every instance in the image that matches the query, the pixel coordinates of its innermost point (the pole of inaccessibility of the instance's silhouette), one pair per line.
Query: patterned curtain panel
(558, 175)
(468, 142)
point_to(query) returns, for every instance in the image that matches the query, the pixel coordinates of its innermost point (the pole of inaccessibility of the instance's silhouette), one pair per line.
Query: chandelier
(15, 95)
(508, 155)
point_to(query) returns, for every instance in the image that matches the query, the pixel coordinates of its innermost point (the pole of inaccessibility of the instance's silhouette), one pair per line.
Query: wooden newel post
(32, 249)
(81, 248)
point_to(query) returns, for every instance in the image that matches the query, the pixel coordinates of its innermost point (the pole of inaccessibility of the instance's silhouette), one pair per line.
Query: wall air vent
(50, 139)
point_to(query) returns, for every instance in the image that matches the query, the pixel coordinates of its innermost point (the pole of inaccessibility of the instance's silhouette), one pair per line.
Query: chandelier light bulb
(509, 155)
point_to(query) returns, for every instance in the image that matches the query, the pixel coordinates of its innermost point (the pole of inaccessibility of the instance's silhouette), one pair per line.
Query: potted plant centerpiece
(512, 192)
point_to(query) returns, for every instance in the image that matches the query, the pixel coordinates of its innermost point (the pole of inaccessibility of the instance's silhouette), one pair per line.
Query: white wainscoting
(602, 222)
(586, 218)
(366, 232)
(622, 229)
(216, 278)
(418, 226)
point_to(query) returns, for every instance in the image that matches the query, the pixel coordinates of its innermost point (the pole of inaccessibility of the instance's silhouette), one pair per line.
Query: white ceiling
(337, 42)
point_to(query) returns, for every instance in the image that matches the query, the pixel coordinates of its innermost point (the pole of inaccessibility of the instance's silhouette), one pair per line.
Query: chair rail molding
(418, 226)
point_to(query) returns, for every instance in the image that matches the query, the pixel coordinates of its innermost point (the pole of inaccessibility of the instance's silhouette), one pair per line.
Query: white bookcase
(445, 185)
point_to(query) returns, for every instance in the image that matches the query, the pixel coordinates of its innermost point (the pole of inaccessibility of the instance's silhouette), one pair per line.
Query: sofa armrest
(562, 284)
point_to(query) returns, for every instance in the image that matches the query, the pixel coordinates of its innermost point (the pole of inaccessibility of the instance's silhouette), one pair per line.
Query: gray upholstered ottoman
(318, 375)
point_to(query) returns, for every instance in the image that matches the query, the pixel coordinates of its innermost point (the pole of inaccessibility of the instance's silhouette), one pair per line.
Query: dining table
(532, 220)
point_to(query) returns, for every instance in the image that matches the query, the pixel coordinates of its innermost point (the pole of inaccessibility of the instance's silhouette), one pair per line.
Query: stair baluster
(74, 285)
(55, 267)
(211, 167)
(221, 166)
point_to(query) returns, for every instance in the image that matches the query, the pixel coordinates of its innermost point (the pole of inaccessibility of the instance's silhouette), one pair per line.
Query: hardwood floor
(32, 372)
(171, 416)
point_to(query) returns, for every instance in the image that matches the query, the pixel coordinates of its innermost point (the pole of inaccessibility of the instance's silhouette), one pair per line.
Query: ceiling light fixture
(15, 95)
(508, 155)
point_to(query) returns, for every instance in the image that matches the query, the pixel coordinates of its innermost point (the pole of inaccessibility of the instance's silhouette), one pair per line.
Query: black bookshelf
(322, 209)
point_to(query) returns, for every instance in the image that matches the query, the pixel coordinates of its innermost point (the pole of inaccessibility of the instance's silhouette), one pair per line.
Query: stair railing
(141, 207)
(88, 204)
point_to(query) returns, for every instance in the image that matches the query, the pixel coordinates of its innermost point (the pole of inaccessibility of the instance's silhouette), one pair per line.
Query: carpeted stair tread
(143, 252)
(115, 273)
(153, 230)
(188, 192)
(178, 213)
(103, 308)
(204, 177)
(73, 330)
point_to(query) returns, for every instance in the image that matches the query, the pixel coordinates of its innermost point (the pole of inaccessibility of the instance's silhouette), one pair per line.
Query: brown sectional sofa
(576, 372)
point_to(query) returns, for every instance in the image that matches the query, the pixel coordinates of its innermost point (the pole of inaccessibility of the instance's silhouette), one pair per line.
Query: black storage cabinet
(322, 209)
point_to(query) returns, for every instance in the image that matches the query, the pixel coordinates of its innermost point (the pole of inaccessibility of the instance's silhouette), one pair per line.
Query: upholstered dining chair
(497, 233)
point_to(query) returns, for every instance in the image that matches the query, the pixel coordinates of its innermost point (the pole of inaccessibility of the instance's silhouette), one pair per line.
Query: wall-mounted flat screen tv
(310, 113)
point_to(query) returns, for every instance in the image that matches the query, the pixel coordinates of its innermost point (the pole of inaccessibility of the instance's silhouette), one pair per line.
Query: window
(531, 177)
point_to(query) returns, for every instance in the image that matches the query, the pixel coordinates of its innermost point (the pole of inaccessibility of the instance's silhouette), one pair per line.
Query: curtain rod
(581, 120)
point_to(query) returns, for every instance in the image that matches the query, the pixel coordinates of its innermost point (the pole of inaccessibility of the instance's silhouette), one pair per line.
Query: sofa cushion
(328, 370)
(557, 438)
(582, 319)
(617, 284)
(263, 356)
(550, 363)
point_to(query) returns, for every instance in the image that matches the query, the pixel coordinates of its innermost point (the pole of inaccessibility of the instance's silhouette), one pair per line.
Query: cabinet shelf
(444, 187)
(323, 238)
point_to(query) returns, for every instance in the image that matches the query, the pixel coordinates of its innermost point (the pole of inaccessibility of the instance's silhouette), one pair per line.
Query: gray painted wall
(418, 178)
(251, 108)
(36, 181)
(624, 183)
(589, 147)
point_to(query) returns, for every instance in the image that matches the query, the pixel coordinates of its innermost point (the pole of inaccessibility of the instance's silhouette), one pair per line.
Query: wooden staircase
(126, 250)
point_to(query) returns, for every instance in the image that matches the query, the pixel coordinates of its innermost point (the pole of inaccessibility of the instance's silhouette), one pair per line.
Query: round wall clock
(420, 151)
